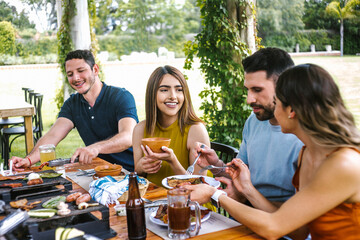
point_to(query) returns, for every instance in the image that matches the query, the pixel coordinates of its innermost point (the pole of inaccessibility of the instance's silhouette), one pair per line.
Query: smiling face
(80, 75)
(169, 98)
(261, 94)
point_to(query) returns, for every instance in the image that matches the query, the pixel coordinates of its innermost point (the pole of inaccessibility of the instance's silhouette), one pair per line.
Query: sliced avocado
(58, 233)
(41, 214)
(45, 210)
(65, 233)
(74, 233)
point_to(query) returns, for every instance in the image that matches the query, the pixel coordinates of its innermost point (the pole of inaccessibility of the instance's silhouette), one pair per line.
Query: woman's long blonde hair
(186, 114)
(315, 98)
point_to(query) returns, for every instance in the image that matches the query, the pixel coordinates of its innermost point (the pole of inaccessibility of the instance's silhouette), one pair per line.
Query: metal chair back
(226, 153)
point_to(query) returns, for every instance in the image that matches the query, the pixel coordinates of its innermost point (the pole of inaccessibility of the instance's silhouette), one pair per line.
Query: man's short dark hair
(81, 54)
(272, 60)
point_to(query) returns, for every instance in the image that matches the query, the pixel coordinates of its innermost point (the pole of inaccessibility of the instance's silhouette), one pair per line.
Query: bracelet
(29, 161)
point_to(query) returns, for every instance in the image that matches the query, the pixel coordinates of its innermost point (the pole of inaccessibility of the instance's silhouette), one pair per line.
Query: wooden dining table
(119, 225)
(19, 108)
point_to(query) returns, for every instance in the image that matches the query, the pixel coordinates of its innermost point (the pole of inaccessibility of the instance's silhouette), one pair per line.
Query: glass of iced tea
(179, 217)
(47, 153)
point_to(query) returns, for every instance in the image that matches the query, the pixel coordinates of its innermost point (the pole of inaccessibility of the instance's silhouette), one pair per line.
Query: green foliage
(341, 10)
(7, 38)
(351, 37)
(9, 13)
(284, 41)
(279, 17)
(219, 50)
(103, 12)
(114, 44)
(315, 16)
(138, 18)
(65, 43)
(94, 42)
(320, 38)
(27, 33)
(145, 25)
(41, 47)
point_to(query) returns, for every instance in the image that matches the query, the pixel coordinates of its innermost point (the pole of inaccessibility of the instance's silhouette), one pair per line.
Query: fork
(215, 167)
(190, 169)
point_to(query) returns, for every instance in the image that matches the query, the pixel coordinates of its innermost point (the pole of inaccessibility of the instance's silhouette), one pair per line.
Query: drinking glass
(179, 204)
(47, 153)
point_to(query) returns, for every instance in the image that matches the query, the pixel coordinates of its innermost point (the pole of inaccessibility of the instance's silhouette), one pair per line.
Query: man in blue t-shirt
(104, 116)
(270, 154)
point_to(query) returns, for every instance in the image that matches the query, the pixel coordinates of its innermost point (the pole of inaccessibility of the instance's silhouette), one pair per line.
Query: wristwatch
(215, 197)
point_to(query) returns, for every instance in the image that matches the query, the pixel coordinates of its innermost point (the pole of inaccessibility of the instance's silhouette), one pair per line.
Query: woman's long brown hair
(186, 114)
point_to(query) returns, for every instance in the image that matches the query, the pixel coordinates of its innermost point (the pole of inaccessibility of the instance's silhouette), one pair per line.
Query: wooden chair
(16, 120)
(225, 153)
(37, 99)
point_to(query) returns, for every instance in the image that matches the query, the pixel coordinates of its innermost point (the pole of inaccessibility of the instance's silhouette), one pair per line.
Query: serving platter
(47, 188)
(209, 180)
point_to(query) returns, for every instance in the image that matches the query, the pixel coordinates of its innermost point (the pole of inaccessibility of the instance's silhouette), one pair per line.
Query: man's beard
(267, 114)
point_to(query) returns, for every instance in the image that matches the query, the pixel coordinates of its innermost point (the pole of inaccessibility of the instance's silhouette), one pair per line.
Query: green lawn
(345, 71)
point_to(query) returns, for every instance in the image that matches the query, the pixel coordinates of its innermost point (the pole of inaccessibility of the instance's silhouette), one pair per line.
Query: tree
(47, 6)
(343, 10)
(220, 46)
(8, 13)
(315, 16)
(278, 21)
(138, 19)
(149, 24)
(192, 21)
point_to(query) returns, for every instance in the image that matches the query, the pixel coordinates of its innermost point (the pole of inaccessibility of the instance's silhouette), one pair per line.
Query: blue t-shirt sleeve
(126, 106)
(243, 147)
(65, 110)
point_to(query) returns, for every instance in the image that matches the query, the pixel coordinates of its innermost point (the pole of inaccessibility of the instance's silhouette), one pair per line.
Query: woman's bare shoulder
(199, 126)
(139, 128)
(346, 160)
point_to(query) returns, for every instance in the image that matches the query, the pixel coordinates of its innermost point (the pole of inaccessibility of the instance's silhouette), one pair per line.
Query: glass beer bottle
(135, 211)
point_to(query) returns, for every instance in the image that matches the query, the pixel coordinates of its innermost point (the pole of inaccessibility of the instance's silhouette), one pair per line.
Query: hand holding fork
(190, 169)
(216, 167)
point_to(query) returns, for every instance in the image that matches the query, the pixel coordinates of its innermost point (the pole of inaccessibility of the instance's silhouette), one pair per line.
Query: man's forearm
(115, 144)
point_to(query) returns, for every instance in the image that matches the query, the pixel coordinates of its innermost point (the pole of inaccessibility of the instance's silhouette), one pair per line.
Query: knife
(60, 161)
(155, 203)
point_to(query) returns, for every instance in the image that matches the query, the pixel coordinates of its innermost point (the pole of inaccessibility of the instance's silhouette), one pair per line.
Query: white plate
(161, 223)
(209, 180)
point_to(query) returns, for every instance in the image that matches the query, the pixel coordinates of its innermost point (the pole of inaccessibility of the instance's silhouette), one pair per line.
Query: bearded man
(104, 116)
(270, 154)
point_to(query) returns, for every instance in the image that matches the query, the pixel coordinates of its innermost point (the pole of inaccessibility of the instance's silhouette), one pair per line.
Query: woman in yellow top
(169, 113)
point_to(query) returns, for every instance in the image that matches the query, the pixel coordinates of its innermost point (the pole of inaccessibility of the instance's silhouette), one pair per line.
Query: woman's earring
(289, 117)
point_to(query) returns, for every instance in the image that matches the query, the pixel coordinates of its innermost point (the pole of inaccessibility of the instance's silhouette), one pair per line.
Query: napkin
(107, 190)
